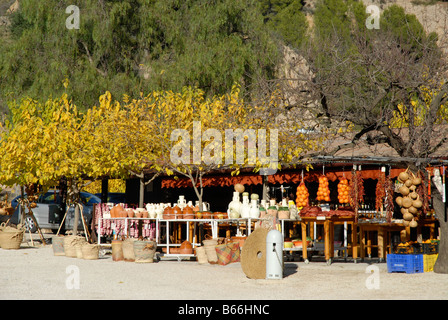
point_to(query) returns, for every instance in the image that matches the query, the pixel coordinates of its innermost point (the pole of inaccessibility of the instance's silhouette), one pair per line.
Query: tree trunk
(75, 197)
(265, 195)
(76, 220)
(22, 207)
(141, 199)
(441, 265)
(104, 190)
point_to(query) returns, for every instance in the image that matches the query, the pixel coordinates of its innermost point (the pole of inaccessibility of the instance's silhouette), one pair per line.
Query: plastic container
(430, 248)
(408, 263)
(429, 261)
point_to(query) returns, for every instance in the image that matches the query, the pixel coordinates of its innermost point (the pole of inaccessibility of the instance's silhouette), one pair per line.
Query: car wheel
(30, 224)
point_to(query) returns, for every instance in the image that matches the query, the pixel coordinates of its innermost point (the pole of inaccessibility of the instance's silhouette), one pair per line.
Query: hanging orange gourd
(302, 194)
(343, 191)
(323, 192)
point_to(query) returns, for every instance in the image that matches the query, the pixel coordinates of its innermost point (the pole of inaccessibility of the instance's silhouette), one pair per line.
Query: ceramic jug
(182, 203)
(245, 207)
(159, 211)
(254, 212)
(234, 206)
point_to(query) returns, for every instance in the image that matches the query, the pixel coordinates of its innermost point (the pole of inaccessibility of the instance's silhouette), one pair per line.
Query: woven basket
(11, 238)
(70, 243)
(209, 246)
(201, 255)
(90, 251)
(128, 249)
(58, 245)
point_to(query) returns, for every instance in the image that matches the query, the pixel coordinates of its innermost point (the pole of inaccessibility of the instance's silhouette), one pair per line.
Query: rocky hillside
(433, 15)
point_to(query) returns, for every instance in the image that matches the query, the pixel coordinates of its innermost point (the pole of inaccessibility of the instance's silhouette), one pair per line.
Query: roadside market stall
(337, 207)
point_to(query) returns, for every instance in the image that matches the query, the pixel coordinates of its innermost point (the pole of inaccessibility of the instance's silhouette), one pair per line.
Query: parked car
(114, 197)
(49, 212)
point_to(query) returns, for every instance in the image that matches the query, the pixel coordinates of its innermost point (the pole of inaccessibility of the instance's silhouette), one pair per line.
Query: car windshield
(89, 199)
(50, 197)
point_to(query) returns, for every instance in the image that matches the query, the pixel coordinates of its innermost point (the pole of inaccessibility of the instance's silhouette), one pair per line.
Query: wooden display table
(328, 222)
(384, 231)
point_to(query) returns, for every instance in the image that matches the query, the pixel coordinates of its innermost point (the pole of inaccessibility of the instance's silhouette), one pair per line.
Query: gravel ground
(35, 273)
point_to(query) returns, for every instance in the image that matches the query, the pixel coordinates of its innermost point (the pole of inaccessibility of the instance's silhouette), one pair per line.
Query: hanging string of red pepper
(380, 192)
(389, 202)
(356, 191)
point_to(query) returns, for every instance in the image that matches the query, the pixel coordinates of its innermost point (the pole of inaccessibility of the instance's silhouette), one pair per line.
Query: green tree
(134, 46)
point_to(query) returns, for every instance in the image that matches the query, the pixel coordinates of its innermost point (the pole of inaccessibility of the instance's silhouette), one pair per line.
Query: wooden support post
(327, 239)
(304, 246)
(331, 226)
(354, 241)
(381, 244)
(369, 243)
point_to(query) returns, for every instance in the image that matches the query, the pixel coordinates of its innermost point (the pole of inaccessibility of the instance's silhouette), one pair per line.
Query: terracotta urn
(145, 214)
(130, 213)
(139, 214)
(114, 212)
(186, 248)
(188, 212)
(168, 213)
(206, 215)
(177, 212)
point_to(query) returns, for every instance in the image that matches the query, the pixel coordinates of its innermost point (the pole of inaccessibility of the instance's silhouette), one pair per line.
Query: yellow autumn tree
(199, 135)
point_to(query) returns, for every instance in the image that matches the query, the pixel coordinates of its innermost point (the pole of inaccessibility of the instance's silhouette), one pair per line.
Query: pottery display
(186, 248)
(254, 196)
(262, 210)
(245, 207)
(283, 213)
(188, 212)
(159, 211)
(206, 215)
(234, 208)
(177, 212)
(272, 209)
(130, 213)
(182, 203)
(151, 208)
(168, 213)
(198, 214)
(254, 212)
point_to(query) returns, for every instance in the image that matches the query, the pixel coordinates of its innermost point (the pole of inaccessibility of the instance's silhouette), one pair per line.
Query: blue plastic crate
(409, 263)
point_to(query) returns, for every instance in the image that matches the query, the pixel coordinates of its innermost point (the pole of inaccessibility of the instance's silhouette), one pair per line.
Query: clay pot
(198, 215)
(114, 212)
(186, 248)
(168, 213)
(145, 214)
(206, 215)
(188, 212)
(130, 213)
(177, 212)
(139, 214)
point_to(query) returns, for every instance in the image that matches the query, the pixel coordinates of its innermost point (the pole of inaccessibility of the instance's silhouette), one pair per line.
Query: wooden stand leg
(369, 244)
(331, 226)
(362, 241)
(304, 246)
(355, 241)
(327, 239)
(381, 244)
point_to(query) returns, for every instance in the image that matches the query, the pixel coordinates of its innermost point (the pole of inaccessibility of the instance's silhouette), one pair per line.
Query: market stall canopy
(279, 178)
